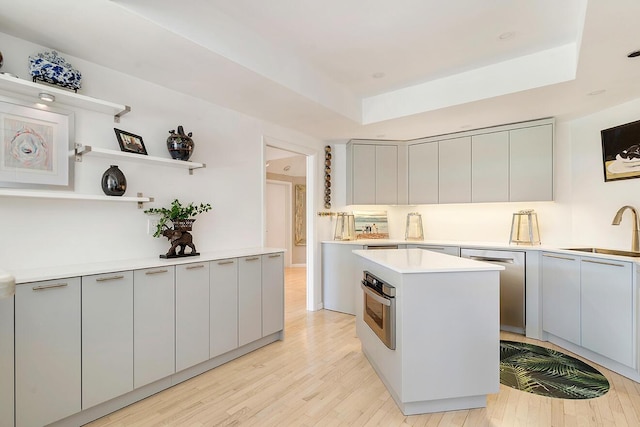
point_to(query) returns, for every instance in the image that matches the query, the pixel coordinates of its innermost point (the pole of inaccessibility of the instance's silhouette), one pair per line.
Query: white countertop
(488, 245)
(62, 271)
(419, 261)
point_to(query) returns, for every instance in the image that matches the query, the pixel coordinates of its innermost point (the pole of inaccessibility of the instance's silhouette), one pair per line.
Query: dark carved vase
(179, 144)
(114, 182)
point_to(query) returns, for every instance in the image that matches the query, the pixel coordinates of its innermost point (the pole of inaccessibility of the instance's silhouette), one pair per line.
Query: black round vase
(180, 145)
(114, 182)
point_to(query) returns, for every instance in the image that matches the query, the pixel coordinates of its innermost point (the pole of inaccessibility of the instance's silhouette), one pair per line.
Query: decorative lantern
(345, 226)
(414, 230)
(524, 228)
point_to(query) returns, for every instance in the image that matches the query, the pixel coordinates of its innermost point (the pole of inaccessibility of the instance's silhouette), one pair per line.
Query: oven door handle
(376, 297)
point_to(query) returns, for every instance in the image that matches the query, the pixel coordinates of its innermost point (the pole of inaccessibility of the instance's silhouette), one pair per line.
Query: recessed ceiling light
(378, 75)
(597, 92)
(634, 54)
(507, 35)
(286, 168)
(47, 97)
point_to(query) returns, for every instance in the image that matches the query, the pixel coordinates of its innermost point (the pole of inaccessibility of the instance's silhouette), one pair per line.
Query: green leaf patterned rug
(547, 372)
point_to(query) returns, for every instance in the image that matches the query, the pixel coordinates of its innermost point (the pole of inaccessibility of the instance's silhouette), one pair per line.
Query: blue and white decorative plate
(52, 68)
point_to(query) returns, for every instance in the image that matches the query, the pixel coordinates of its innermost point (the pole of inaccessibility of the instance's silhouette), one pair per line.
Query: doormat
(547, 372)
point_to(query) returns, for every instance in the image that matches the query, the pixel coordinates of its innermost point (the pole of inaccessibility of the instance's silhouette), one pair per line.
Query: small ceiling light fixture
(634, 54)
(378, 75)
(47, 97)
(286, 168)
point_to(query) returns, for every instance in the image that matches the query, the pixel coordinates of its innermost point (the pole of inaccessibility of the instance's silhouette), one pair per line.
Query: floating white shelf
(87, 150)
(32, 89)
(73, 196)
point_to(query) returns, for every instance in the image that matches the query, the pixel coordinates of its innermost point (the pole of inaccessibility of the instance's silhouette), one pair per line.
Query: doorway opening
(288, 205)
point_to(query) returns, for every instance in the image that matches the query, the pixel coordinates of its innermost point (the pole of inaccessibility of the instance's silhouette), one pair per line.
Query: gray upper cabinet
(531, 164)
(508, 163)
(387, 175)
(373, 171)
(454, 170)
(490, 167)
(423, 173)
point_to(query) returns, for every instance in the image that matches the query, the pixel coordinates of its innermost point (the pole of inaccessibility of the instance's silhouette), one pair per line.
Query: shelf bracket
(116, 117)
(199, 167)
(141, 204)
(80, 150)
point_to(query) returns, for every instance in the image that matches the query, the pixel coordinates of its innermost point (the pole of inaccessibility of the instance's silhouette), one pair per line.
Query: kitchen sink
(605, 251)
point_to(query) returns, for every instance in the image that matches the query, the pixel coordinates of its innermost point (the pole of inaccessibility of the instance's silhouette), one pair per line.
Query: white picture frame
(36, 146)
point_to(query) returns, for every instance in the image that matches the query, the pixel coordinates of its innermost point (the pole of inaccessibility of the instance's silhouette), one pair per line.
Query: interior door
(278, 214)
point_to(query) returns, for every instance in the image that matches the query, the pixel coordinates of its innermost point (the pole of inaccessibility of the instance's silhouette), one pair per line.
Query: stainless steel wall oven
(379, 308)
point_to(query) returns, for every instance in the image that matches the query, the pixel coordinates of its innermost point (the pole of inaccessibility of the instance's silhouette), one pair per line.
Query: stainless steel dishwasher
(512, 285)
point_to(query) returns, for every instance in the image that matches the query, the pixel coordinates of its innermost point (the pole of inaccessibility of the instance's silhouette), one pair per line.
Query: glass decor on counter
(345, 227)
(524, 228)
(414, 230)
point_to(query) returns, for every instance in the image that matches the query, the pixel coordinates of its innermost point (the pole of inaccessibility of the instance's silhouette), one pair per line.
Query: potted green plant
(181, 218)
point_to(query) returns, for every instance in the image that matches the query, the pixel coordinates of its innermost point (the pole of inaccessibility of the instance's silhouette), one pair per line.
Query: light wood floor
(318, 376)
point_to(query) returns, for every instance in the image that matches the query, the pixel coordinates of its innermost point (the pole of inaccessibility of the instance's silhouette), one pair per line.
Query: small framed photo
(129, 142)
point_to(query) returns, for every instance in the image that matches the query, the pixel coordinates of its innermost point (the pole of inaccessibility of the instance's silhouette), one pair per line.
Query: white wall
(52, 232)
(595, 202)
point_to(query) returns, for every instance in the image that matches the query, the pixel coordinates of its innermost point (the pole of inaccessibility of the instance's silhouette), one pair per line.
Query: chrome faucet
(634, 237)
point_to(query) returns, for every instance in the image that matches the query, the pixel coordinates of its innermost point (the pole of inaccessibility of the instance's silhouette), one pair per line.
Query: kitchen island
(447, 335)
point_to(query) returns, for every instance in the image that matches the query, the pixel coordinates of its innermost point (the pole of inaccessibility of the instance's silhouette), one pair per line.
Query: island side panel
(449, 327)
(387, 363)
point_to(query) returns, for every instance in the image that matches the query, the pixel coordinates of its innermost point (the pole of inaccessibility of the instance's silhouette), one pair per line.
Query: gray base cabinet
(589, 302)
(607, 308)
(561, 296)
(192, 314)
(272, 293)
(107, 337)
(47, 349)
(223, 294)
(249, 299)
(83, 343)
(6, 363)
(154, 324)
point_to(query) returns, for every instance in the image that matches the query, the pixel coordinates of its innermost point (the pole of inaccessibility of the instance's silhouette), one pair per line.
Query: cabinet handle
(193, 267)
(603, 263)
(105, 279)
(47, 287)
(225, 262)
(275, 256)
(255, 258)
(431, 248)
(559, 257)
(489, 259)
(156, 271)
